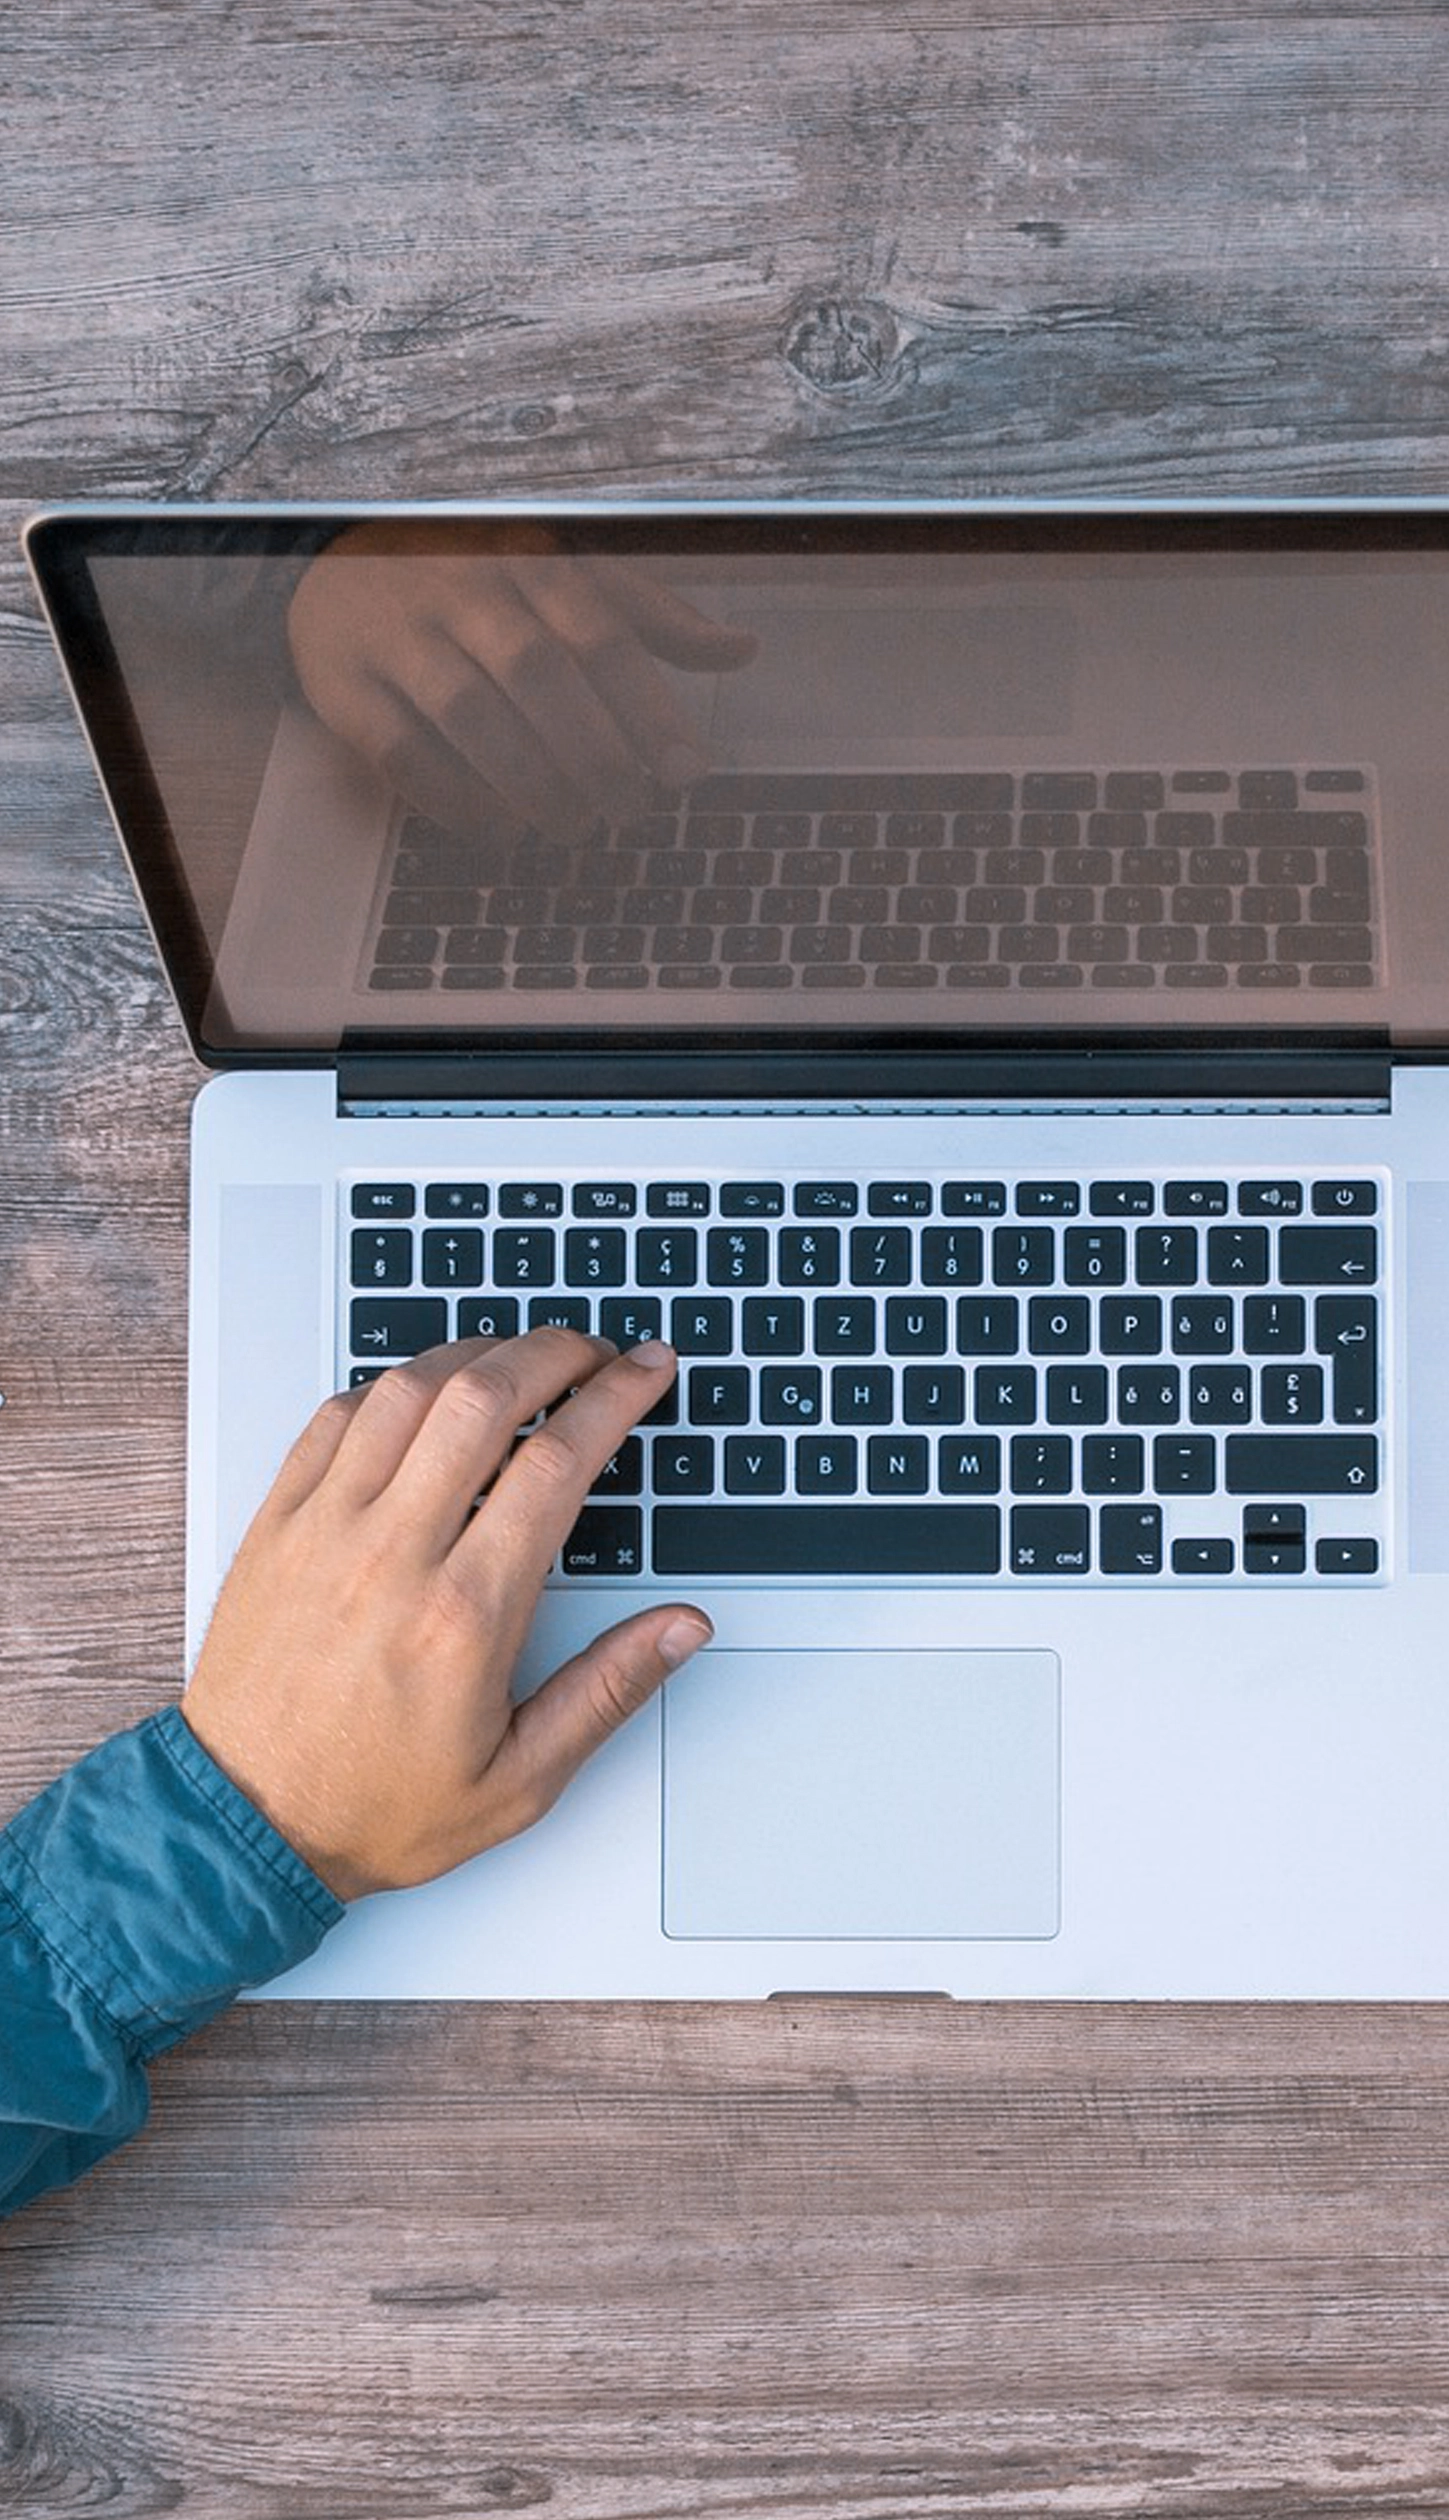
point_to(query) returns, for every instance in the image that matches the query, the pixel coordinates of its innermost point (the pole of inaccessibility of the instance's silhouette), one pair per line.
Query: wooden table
(854, 2258)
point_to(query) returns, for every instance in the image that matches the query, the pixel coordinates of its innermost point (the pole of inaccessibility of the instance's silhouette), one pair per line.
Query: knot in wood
(842, 349)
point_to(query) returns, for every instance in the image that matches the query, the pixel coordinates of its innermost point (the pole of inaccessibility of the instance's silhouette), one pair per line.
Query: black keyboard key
(560, 1312)
(1076, 1395)
(1121, 1198)
(385, 1326)
(595, 1255)
(702, 1325)
(1094, 1255)
(880, 1255)
(915, 1539)
(683, 1465)
(1222, 1395)
(1328, 1255)
(606, 1540)
(968, 1465)
(737, 1255)
(1149, 1395)
(899, 1198)
(809, 1255)
(790, 1395)
(1212, 1556)
(1051, 1540)
(1167, 1255)
(719, 1395)
(1292, 1395)
(754, 1465)
(1202, 1325)
(897, 1465)
(1346, 1329)
(604, 1198)
(1048, 1198)
(1301, 1465)
(452, 1256)
(988, 1325)
(752, 1198)
(623, 1472)
(1237, 1255)
(933, 1395)
(1346, 1557)
(845, 1325)
(1129, 1540)
(1041, 1465)
(1023, 1255)
(488, 1317)
(530, 1199)
(952, 1255)
(677, 1198)
(1185, 1465)
(395, 1199)
(1006, 1395)
(773, 1325)
(973, 1198)
(1130, 1325)
(1345, 1198)
(863, 1395)
(666, 1255)
(525, 1256)
(1058, 1325)
(1274, 1325)
(915, 1325)
(382, 1255)
(826, 1465)
(1270, 1198)
(630, 1319)
(826, 1198)
(1113, 1465)
(456, 1200)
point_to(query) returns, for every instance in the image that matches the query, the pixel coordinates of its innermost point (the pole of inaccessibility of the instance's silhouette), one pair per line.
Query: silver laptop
(977, 981)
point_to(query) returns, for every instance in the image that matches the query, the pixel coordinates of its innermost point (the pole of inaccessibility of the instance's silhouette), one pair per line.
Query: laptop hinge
(1294, 1077)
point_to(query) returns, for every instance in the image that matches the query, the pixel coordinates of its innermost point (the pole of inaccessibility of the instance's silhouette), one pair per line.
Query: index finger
(539, 1495)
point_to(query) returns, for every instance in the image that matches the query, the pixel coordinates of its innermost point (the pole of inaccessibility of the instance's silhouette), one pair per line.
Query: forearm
(139, 1895)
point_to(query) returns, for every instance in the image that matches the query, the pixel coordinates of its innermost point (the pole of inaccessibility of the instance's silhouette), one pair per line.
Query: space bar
(827, 1539)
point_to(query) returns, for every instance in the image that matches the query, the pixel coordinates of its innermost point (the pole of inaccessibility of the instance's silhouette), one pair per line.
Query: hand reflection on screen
(523, 685)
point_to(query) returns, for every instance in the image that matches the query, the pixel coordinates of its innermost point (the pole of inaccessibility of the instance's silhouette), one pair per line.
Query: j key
(606, 1540)
(1345, 1328)
(385, 1326)
(382, 1256)
(933, 1395)
(452, 1256)
(1301, 1465)
(1328, 1255)
(1130, 1539)
(832, 1539)
(1050, 1540)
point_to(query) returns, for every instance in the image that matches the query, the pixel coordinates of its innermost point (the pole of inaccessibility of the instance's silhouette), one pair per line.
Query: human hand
(521, 685)
(355, 1679)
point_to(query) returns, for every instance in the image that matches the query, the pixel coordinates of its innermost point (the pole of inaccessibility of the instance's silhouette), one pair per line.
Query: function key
(1335, 782)
(898, 1198)
(1270, 1198)
(1345, 1198)
(1048, 1198)
(973, 1198)
(1202, 783)
(605, 1198)
(1268, 791)
(1134, 791)
(456, 1198)
(1195, 1198)
(1059, 791)
(384, 1198)
(752, 1198)
(1121, 1198)
(826, 1198)
(530, 1198)
(677, 1198)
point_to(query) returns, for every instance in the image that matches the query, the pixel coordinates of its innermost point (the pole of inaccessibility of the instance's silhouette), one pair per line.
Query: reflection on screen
(416, 790)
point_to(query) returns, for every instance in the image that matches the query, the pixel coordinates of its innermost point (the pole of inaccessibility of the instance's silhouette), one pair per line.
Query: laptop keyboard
(1129, 1380)
(1113, 880)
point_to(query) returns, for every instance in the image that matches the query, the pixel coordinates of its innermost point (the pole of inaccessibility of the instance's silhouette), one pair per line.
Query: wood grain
(883, 2261)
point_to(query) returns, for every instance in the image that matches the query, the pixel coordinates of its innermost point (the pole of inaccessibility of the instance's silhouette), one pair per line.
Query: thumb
(588, 1698)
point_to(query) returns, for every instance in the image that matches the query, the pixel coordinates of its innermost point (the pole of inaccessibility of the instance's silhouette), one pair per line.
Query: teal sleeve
(139, 1894)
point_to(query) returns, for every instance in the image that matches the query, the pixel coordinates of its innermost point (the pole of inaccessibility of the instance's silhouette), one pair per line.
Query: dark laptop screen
(453, 779)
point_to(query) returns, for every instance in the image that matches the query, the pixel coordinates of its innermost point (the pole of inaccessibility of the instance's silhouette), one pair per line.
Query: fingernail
(652, 1353)
(683, 1637)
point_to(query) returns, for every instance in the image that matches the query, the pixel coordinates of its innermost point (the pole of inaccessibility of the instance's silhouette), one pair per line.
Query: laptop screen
(452, 779)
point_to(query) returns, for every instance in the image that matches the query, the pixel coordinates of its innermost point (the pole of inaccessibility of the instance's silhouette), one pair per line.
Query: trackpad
(857, 1795)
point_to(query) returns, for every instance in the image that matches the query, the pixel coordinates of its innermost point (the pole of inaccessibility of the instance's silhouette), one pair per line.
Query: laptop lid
(415, 788)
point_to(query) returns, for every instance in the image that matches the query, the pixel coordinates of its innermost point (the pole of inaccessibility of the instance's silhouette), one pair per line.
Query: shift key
(1302, 1465)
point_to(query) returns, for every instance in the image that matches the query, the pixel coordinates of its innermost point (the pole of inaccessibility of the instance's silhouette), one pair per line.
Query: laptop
(975, 978)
